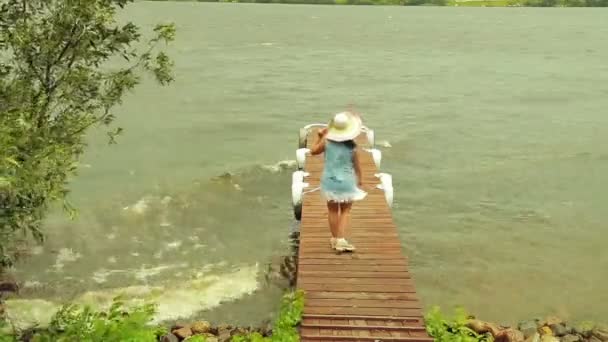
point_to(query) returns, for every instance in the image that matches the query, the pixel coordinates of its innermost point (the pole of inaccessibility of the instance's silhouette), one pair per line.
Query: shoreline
(421, 3)
(442, 328)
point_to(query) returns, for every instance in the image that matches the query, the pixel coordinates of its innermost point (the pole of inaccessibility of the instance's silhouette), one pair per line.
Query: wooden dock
(367, 295)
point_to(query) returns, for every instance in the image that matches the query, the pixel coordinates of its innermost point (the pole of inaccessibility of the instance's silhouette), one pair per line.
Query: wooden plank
(373, 249)
(355, 281)
(363, 311)
(398, 288)
(363, 326)
(333, 338)
(351, 262)
(405, 319)
(352, 268)
(353, 274)
(362, 295)
(307, 336)
(349, 256)
(365, 303)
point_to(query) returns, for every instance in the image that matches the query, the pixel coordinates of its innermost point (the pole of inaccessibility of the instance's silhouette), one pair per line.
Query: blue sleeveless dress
(339, 180)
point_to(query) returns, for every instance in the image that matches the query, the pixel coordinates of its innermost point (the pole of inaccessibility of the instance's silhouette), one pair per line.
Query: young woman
(341, 179)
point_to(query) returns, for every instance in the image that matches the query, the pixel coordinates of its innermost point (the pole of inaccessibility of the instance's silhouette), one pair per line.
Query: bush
(452, 329)
(76, 323)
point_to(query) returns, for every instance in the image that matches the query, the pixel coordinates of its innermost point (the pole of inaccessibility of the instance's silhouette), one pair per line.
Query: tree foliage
(56, 82)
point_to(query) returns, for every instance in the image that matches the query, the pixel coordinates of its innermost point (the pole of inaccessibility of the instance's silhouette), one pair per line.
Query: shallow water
(499, 155)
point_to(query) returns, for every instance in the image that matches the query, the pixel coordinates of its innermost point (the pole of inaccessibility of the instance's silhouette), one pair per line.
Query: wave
(175, 301)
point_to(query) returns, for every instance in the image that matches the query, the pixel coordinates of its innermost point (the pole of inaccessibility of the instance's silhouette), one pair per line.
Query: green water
(499, 132)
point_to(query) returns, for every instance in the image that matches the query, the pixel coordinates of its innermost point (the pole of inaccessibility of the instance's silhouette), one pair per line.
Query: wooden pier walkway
(367, 295)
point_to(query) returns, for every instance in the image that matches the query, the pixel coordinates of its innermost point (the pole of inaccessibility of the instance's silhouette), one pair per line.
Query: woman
(341, 177)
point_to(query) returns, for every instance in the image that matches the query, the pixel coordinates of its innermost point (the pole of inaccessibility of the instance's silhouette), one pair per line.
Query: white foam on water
(26, 313)
(37, 250)
(143, 273)
(174, 245)
(32, 284)
(101, 276)
(280, 166)
(175, 301)
(140, 207)
(384, 143)
(65, 255)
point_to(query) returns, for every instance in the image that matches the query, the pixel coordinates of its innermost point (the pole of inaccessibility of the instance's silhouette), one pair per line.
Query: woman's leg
(333, 216)
(341, 243)
(344, 218)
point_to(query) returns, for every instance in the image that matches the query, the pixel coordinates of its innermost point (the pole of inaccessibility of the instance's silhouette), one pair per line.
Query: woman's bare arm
(319, 146)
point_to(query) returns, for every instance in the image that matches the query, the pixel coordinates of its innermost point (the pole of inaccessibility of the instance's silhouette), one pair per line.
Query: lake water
(499, 132)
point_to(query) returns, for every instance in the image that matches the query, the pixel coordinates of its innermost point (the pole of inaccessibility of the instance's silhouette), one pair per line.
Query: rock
(571, 338)
(169, 338)
(545, 330)
(534, 338)
(238, 331)
(183, 333)
(551, 320)
(528, 328)
(9, 286)
(558, 329)
(548, 338)
(509, 335)
(224, 335)
(178, 325)
(200, 327)
(481, 327)
(601, 334)
(569, 329)
(584, 329)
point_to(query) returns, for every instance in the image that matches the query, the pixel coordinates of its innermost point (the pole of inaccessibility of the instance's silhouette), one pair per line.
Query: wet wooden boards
(367, 295)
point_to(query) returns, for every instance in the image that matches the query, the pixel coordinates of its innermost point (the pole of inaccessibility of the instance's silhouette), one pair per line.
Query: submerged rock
(533, 338)
(546, 331)
(552, 320)
(558, 329)
(584, 329)
(601, 334)
(224, 333)
(9, 286)
(528, 328)
(571, 338)
(549, 338)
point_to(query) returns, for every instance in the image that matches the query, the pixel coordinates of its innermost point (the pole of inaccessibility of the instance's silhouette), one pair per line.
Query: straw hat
(344, 126)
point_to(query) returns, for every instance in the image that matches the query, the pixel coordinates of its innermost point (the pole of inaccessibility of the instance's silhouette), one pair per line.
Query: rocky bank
(550, 329)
